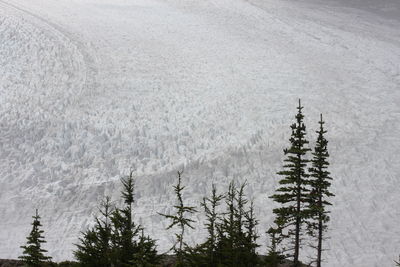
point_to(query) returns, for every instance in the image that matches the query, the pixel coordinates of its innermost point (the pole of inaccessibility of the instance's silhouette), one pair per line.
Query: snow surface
(91, 88)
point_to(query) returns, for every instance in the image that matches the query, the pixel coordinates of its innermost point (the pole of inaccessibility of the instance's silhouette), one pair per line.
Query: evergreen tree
(227, 231)
(124, 230)
(180, 220)
(320, 183)
(146, 255)
(293, 192)
(274, 258)
(211, 225)
(205, 254)
(33, 253)
(94, 249)
(251, 237)
(236, 232)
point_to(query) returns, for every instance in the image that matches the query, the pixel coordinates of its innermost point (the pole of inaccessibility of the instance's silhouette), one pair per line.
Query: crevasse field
(92, 88)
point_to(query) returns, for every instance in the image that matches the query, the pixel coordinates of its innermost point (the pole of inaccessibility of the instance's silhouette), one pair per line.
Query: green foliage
(95, 247)
(320, 183)
(125, 231)
(180, 220)
(68, 264)
(236, 232)
(146, 255)
(292, 195)
(274, 258)
(33, 253)
(115, 240)
(205, 254)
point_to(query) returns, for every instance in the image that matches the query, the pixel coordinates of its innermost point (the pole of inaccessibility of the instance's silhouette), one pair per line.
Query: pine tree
(33, 253)
(94, 249)
(236, 233)
(227, 231)
(124, 230)
(320, 183)
(205, 254)
(180, 220)
(251, 237)
(293, 192)
(146, 255)
(274, 258)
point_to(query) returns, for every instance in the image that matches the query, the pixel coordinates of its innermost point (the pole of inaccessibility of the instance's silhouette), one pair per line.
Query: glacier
(90, 89)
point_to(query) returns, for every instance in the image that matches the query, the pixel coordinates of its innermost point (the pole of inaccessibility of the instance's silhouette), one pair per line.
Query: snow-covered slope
(91, 88)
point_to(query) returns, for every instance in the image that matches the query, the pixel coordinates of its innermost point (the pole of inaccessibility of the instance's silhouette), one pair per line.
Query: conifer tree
(33, 253)
(181, 220)
(236, 232)
(227, 230)
(125, 231)
(293, 192)
(205, 254)
(274, 258)
(320, 182)
(251, 237)
(146, 255)
(94, 249)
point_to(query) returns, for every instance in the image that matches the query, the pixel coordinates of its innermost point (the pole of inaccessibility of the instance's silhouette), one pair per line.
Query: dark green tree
(251, 236)
(236, 232)
(205, 254)
(124, 230)
(210, 206)
(320, 183)
(146, 255)
(292, 195)
(274, 257)
(227, 231)
(94, 249)
(33, 253)
(180, 219)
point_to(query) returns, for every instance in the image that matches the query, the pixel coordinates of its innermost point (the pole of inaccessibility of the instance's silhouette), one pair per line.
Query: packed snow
(90, 89)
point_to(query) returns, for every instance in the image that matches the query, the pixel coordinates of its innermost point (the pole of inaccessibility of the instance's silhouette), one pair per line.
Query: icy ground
(90, 88)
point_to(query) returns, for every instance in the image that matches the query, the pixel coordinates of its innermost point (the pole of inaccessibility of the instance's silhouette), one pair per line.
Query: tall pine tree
(33, 253)
(293, 192)
(125, 232)
(181, 220)
(320, 183)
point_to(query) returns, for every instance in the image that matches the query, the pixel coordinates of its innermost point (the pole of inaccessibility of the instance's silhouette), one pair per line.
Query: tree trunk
(320, 232)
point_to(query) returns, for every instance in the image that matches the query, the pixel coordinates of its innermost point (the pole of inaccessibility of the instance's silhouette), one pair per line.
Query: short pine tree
(181, 220)
(146, 255)
(320, 182)
(274, 258)
(293, 192)
(227, 231)
(94, 249)
(33, 253)
(251, 236)
(205, 254)
(236, 231)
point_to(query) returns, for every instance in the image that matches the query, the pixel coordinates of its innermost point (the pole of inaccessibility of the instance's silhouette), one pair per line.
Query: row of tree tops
(302, 198)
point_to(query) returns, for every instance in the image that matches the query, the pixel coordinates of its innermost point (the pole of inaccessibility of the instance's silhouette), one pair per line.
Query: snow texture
(92, 88)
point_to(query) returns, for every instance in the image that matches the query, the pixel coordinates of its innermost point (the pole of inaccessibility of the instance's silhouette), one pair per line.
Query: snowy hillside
(90, 88)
